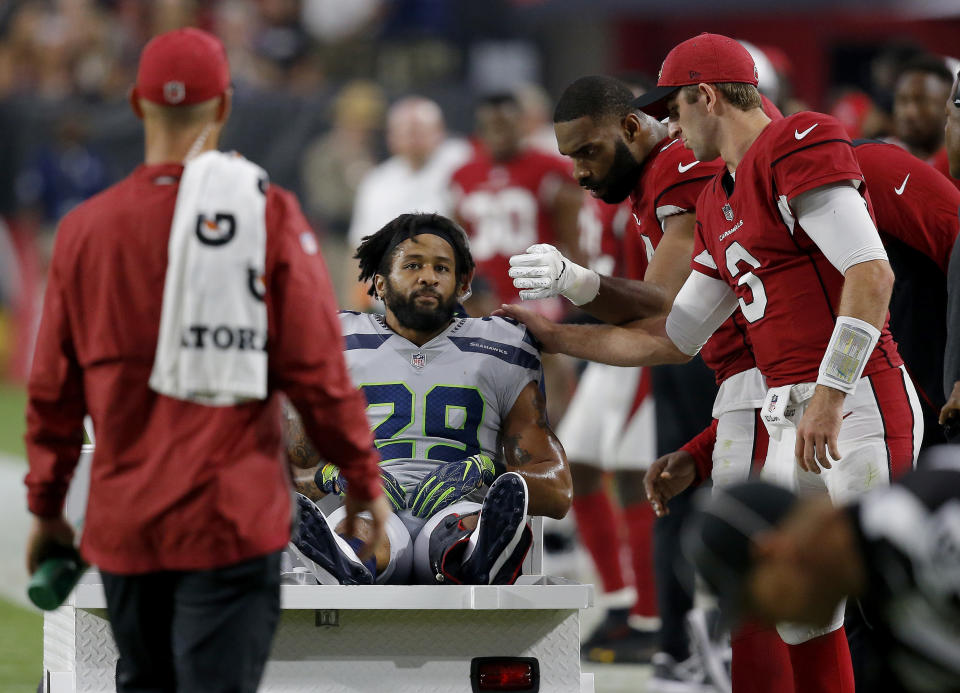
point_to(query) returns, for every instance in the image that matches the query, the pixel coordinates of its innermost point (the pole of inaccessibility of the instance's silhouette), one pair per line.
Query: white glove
(542, 272)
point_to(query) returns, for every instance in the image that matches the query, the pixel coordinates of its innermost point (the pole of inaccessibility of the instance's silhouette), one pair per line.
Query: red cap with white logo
(707, 58)
(182, 67)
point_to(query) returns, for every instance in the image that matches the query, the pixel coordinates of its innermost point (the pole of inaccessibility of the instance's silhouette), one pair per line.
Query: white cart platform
(339, 639)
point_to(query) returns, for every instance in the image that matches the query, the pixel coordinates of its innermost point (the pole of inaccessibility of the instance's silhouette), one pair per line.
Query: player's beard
(622, 177)
(414, 317)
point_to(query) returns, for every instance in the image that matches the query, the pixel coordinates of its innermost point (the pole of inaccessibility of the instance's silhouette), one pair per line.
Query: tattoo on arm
(308, 488)
(299, 449)
(515, 454)
(541, 404)
(514, 448)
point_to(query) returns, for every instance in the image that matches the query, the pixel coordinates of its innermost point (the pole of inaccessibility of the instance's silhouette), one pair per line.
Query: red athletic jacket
(177, 485)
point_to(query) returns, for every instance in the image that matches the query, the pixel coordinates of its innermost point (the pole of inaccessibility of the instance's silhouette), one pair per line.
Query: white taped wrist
(850, 347)
(582, 286)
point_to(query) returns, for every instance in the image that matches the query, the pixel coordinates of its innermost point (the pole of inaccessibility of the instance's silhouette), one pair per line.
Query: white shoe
(671, 676)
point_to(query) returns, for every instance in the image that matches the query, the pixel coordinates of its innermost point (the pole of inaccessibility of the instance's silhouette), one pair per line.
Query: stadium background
(313, 79)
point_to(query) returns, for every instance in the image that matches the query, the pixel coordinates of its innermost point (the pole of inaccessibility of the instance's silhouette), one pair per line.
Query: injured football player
(456, 406)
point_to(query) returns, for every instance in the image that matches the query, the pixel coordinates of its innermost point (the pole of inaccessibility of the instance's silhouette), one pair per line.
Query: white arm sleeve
(836, 219)
(698, 310)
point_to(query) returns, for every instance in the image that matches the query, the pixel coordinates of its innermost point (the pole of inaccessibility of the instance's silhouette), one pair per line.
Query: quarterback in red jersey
(764, 230)
(508, 197)
(915, 208)
(775, 273)
(786, 236)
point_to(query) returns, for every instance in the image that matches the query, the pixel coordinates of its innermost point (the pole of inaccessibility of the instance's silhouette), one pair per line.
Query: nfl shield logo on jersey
(728, 212)
(419, 359)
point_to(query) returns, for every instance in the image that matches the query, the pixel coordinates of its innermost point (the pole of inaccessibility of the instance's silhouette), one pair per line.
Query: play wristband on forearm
(847, 353)
(583, 284)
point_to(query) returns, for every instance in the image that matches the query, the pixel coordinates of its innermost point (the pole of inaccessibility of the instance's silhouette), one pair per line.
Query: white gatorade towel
(213, 327)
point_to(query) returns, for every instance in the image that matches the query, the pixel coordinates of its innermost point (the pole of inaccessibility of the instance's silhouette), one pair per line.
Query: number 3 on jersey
(735, 254)
(452, 412)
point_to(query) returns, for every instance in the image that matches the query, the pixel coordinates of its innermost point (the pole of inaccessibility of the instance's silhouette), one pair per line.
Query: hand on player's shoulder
(540, 330)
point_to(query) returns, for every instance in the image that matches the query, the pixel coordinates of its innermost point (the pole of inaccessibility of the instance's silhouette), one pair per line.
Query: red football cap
(182, 67)
(707, 58)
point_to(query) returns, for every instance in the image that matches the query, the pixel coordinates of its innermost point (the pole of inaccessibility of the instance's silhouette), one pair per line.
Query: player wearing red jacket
(189, 505)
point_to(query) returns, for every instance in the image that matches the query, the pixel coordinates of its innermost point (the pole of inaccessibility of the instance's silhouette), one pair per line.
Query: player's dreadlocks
(597, 97)
(376, 252)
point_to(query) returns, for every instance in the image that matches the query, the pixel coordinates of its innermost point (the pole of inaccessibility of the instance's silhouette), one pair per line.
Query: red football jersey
(603, 229)
(670, 183)
(747, 236)
(912, 201)
(505, 208)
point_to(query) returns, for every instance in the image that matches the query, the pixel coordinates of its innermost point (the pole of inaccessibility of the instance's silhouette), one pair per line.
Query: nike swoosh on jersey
(800, 135)
(684, 169)
(903, 185)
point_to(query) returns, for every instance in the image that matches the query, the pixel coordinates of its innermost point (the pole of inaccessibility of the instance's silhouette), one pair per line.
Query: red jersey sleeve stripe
(678, 184)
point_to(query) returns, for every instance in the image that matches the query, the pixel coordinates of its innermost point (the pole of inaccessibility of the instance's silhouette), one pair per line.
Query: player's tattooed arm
(531, 449)
(300, 450)
(303, 482)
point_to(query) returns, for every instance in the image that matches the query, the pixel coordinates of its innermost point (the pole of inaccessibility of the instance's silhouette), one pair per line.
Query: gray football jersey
(443, 401)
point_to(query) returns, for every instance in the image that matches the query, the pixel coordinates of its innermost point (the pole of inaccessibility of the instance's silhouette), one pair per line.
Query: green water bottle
(55, 577)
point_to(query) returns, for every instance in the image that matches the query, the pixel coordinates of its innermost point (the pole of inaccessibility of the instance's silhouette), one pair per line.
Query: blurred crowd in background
(327, 90)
